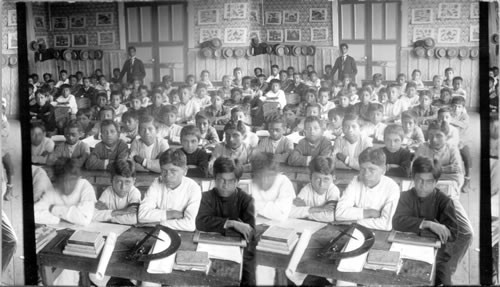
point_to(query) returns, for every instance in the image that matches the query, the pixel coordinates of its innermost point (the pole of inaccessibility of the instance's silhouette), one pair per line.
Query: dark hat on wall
(13, 60)
(287, 50)
(206, 52)
(99, 54)
(440, 52)
(269, 49)
(303, 50)
(227, 52)
(429, 43)
(75, 55)
(5, 60)
(66, 55)
(419, 52)
(311, 50)
(279, 50)
(34, 46)
(494, 38)
(296, 51)
(91, 55)
(84, 55)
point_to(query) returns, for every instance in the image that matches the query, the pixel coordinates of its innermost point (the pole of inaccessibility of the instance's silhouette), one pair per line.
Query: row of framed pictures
(445, 35)
(74, 21)
(241, 35)
(445, 11)
(81, 40)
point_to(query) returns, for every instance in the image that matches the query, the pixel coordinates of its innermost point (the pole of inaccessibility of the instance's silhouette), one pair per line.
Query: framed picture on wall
(235, 10)
(317, 14)
(235, 35)
(274, 35)
(290, 17)
(449, 11)
(421, 16)
(254, 34)
(254, 16)
(104, 18)
(448, 35)
(208, 16)
(12, 40)
(474, 33)
(273, 18)
(319, 34)
(80, 40)
(11, 18)
(420, 33)
(60, 23)
(61, 41)
(474, 10)
(77, 21)
(42, 40)
(39, 22)
(209, 34)
(105, 38)
(292, 35)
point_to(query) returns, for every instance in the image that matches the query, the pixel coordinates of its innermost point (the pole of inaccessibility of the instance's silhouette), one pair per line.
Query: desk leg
(280, 278)
(84, 279)
(49, 274)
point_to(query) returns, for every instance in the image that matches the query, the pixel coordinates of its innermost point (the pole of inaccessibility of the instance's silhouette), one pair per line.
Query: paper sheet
(262, 133)
(107, 251)
(353, 264)
(164, 265)
(415, 252)
(298, 278)
(102, 227)
(224, 252)
(295, 137)
(299, 225)
(91, 141)
(58, 138)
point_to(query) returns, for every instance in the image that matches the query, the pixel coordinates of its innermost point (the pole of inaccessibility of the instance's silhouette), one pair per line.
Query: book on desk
(187, 260)
(425, 239)
(277, 239)
(231, 238)
(84, 243)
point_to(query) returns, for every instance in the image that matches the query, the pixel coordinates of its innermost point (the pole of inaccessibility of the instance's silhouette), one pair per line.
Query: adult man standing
(133, 67)
(345, 64)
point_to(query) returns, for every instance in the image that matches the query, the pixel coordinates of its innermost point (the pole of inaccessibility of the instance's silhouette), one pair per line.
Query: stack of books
(85, 244)
(43, 235)
(278, 240)
(383, 260)
(192, 261)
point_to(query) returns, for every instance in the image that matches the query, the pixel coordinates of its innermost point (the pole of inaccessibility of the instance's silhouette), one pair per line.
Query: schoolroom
(255, 142)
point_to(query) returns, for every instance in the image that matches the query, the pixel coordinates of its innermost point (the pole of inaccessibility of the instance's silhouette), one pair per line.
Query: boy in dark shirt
(197, 158)
(44, 111)
(226, 209)
(398, 159)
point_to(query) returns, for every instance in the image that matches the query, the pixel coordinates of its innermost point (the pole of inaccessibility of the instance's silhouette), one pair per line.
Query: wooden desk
(412, 272)
(221, 272)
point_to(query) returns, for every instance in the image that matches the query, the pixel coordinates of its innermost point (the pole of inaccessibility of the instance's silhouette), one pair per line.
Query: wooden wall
(10, 89)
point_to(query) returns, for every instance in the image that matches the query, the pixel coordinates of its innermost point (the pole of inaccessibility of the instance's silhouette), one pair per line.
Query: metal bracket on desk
(138, 252)
(333, 251)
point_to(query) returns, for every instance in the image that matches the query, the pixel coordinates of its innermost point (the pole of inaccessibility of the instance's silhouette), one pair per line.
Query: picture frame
(254, 16)
(77, 22)
(420, 33)
(236, 11)
(11, 17)
(80, 40)
(274, 35)
(105, 38)
(104, 19)
(319, 34)
(209, 33)
(273, 18)
(208, 16)
(12, 40)
(235, 35)
(291, 17)
(474, 33)
(474, 10)
(318, 14)
(448, 35)
(254, 34)
(60, 23)
(61, 41)
(449, 11)
(421, 16)
(293, 35)
(39, 22)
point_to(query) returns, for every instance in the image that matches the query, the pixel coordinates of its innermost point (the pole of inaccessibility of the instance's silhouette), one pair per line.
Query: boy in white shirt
(276, 94)
(68, 100)
(41, 146)
(371, 198)
(324, 102)
(188, 107)
(172, 199)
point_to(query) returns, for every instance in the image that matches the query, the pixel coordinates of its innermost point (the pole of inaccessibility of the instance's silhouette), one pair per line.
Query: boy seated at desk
(73, 147)
(249, 138)
(196, 156)
(371, 197)
(145, 150)
(219, 114)
(426, 209)
(314, 144)
(334, 124)
(375, 127)
(42, 110)
(227, 208)
(460, 120)
(398, 158)
(168, 129)
(119, 202)
(276, 143)
(317, 199)
(67, 99)
(130, 126)
(84, 117)
(106, 113)
(424, 111)
(172, 199)
(111, 147)
(413, 135)
(41, 146)
(188, 107)
(208, 134)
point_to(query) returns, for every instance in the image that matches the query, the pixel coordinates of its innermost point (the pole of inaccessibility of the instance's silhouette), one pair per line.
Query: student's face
(102, 101)
(458, 109)
(233, 138)
(130, 124)
(147, 131)
(190, 81)
(122, 185)
(157, 99)
(283, 76)
(66, 92)
(310, 98)
(297, 79)
(40, 99)
(353, 90)
(257, 72)
(46, 78)
(376, 117)
(239, 116)
(449, 74)
(378, 82)
(276, 131)
(411, 92)
(290, 72)
(275, 87)
(408, 124)
(336, 121)
(444, 117)
(30, 81)
(68, 182)
(425, 101)
(323, 98)
(116, 73)
(86, 83)
(109, 135)
(314, 77)
(321, 182)
(416, 75)
(226, 82)
(30, 90)
(383, 97)
(437, 81)
(204, 76)
(313, 131)
(264, 179)
(246, 84)
(392, 142)
(171, 175)
(401, 80)
(106, 115)
(137, 83)
(328, 70)
(83, 119)
(185, 96)
(346, 82)
(274, 71)
(370, 174)
(351, 130)
(64, 76)
(457, 84)
(115, 101)
(102, 81)
(190, 143)
(289, 115)
(310, 69)
(37, 135)
(136, 104)
(73, 81)
(394, 94)
(169, 118)
(344, 101)
(437, 138)
(236, 96)
(51, 85)
(365, 97)
(424, 183)
(216, 101)
(237, 74)
(312, 112)
(262, 80)
(131, 52)
(72, 135)
(202, 125)
(226, 183)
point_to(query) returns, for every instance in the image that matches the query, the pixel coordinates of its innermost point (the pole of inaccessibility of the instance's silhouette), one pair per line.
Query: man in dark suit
(133, 67)
(345, 64)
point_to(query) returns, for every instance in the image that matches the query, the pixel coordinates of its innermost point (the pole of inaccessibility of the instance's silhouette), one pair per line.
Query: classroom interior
(171, 37)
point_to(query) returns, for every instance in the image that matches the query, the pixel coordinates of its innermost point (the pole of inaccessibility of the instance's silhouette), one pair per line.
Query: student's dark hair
(66, 166)
(234, 90)
(394, 129)
(312, 119)
(131, 48)
(336, 112)
(323, 90)
(416, 71)
(47, 74)
(116, 69)
(168, 109)
(375, 107)
(106, 108)
(425, 93)
(426, 165)
(411, 85)
(290, 107)
(261, 76)
(435, 125)
(173, 156)
(312, 73)
(344, 45)
(443, 110)
(275, 81)
(275, 66)
(73, 124)
(200, 86)
(37, 124)
(457, 78)
(239, 126)
(352, 84)
(63, 71)
(290, 68)
(322, 164)
(51, 81)
(448, 69)
(328, 66)
(443, 90)
(372, 155)
(257, 68)
(102, 95)
(106, 123)
(65, 86)
(263, 161)
(130, 114)
(115, 93)
(227, 165)
(143, 87)
(313, 105)
(122, 167)
(350, 117)
(72, 77)
(201, 116)
(246, 78)
(86, 112)
(276, 120)
(39, 92)
(146, 119)
(190, 130)
(458, 100)
(236, 110)
(409, 115)
(283, 71)
(377, 76)
(401, 75)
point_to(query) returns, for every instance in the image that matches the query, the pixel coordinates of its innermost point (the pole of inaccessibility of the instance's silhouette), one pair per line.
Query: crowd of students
(402, 129)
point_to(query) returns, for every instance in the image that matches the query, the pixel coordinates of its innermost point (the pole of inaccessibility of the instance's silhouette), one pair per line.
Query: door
(373, 32)
(158, 31)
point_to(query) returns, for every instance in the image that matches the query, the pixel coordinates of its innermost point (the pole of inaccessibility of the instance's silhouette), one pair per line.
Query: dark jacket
(136, 72)
(349, 67)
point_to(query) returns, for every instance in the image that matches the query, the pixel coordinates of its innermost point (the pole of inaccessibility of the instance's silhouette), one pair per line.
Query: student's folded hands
(244, 228)
(441, 230)
(131, 209)
(371, 213)
(138, 159)
(341, 157)
(299, 202)
(174, 214)
(100, 205)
